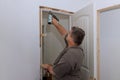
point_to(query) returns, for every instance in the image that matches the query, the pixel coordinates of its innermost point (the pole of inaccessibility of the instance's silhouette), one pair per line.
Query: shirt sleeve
(62, 68)
(66, 40)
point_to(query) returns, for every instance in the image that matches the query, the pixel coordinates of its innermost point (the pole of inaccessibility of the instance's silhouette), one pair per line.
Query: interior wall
(109, 41)
(71, 5)
(19, 40)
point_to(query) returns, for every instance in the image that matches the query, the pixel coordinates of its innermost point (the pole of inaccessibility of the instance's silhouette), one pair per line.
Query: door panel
(84, 19)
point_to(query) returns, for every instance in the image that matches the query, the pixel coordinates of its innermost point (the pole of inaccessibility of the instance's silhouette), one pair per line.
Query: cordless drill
(50, 16)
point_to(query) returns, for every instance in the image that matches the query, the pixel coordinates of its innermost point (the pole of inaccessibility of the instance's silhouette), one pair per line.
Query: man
(68, 64)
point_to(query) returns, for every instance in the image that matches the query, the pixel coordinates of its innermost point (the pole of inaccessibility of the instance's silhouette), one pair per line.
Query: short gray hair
(77, 35)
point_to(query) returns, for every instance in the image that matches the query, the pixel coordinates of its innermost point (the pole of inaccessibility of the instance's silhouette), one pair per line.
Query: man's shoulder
(73, 55)
(73, 51)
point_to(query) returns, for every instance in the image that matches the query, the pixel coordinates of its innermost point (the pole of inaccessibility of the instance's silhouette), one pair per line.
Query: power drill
(50, 16)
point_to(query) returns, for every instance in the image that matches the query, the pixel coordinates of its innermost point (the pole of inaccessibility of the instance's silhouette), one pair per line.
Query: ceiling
(70, 5)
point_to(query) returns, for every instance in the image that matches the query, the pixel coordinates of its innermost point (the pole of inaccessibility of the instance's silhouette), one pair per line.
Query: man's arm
(49, 68)
(59, 27)
(62, 68)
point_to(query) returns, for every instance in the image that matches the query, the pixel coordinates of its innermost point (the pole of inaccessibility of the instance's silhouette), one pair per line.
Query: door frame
(98, 34)
(41, 34)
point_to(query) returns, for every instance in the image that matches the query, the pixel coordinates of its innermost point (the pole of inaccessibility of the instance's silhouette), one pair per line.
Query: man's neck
(72, 45)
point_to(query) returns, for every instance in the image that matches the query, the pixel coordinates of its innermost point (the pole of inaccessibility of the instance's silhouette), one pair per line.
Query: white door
(84, 19)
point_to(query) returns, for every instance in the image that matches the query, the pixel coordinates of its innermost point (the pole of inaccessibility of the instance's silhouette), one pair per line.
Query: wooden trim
(41, 27)
(54, 9)
(98, 45)
(70, 23)
(40, 13)
(109, 8)
(98, 35)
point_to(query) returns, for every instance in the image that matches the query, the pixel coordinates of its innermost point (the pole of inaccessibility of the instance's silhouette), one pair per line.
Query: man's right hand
(54, 21)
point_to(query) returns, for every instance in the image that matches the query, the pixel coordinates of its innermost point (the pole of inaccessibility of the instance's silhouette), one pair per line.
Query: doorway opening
(107, 42)
(51, 42)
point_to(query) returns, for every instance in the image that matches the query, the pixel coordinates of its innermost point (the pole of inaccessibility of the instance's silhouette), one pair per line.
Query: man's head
(75, 36)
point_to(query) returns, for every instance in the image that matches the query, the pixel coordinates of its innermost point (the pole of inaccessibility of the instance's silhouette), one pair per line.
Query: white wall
(99, 4)
(19, 36)
(69, 5)
(19, 40)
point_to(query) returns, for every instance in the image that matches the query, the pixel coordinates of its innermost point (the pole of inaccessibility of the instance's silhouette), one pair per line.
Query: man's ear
(71, 39)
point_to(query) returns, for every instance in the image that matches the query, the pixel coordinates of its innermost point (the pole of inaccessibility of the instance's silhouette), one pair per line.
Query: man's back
(68, 64)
